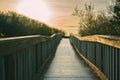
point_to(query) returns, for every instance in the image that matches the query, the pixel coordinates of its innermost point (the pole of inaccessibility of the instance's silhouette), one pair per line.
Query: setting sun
(36, 9)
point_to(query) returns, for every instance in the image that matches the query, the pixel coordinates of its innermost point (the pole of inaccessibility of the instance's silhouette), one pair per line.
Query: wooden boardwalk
(67, 65)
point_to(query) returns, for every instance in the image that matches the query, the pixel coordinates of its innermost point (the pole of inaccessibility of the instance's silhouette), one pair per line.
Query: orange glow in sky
(36, 9)
(56, 13)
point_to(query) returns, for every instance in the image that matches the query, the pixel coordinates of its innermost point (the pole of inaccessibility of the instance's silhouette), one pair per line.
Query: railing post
(115, 63)
(2, 68)
(9, 68)
(106, 60)
(38, 56)
(43, 52)
(102, 51)
(119, 65)
(98, 55)
(110, 68)
(26, 56)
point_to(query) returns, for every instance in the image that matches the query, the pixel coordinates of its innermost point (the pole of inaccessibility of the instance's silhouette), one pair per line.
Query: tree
(100, 23)
(86, 16)
(14, 24)
(87, 19)
(114, 10)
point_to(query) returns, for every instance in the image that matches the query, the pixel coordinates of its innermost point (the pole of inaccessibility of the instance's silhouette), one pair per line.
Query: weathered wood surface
(9, 45)
(21, 58)
(108, 40)
(102, 51)
(67, 65)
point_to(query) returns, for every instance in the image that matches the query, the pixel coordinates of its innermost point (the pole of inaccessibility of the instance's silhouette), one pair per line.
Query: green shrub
(13, 24)
(100, 23)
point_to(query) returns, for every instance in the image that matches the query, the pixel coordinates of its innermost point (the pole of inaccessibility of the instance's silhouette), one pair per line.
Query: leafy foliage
(100, 23)
(13, 24)
(114, 10)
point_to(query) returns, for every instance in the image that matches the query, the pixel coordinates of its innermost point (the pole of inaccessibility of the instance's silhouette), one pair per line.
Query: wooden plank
(108, 40)
(19, 56)
(99, 73)
(9, 68)
(67, 65)
(9, 45)
(2, 68)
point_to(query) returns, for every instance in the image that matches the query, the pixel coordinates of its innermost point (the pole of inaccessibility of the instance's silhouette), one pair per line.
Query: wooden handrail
(9, 45)
(108, 40)
(101, 53)
(23, 57)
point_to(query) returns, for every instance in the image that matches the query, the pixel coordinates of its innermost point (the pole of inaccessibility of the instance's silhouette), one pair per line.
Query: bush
(13, 24)
(92, 24)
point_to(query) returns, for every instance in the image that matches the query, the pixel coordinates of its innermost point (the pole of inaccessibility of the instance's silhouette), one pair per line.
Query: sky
(57, 13)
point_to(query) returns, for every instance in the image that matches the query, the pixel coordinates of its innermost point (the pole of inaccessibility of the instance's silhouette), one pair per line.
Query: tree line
(14, 24)
(101, 23)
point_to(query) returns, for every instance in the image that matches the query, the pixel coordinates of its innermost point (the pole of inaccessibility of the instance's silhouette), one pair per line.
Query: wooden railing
(22, 57)
(101, 53)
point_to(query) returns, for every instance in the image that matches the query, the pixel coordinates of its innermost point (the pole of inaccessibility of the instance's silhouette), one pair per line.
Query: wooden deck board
(67, 65)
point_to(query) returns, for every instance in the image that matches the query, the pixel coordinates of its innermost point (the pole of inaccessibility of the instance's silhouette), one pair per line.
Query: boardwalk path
(66, 65)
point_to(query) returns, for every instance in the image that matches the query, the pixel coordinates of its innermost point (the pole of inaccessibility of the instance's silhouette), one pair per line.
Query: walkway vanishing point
(67, 65)
(39, 57)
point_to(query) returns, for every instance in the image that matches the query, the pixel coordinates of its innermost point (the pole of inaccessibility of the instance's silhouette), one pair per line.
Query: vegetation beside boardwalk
(13, 24)
(100, 23)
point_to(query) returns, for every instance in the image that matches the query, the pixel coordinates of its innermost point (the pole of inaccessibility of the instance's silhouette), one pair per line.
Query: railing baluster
(118, 65)
(2, 68)
(110, 69)
(112, 64)
(103, 52)
(25, 56)
(38, 56)
(9, 68)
